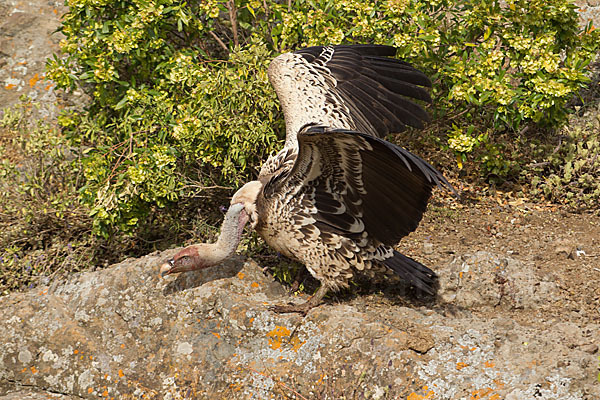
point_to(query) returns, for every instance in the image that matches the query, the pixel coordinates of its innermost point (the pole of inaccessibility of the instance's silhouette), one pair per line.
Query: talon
(292, 308)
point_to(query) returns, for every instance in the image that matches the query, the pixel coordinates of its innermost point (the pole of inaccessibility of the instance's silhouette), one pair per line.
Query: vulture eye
(181, 259)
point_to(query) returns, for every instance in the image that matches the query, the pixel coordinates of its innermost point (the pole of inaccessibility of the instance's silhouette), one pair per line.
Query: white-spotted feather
(337, 196)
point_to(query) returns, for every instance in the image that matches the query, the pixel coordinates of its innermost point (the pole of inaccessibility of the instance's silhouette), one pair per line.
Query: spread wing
(358, 183)
(356, 87)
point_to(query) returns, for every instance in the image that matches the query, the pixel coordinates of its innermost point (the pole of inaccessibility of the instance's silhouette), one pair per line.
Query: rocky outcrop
(125, 333)
(27, 37)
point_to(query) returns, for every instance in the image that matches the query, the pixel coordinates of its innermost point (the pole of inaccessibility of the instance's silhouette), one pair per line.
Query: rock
(590, 348)
(27, 37)
(124, 333)
(428, 247)
(29, 395)
(487, 280)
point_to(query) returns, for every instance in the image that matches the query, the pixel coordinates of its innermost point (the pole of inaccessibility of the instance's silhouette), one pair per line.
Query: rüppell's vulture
(337, 197)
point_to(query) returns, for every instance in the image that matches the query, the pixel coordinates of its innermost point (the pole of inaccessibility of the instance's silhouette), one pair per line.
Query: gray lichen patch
(201, 334)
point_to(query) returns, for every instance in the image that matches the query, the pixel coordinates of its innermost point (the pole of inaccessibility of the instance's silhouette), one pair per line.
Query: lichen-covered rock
(125, 333)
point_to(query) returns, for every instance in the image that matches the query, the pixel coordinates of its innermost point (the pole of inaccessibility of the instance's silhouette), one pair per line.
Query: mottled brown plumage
(337, 197)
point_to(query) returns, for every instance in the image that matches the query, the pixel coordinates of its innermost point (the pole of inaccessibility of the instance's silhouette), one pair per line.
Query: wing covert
(354, 87)
(359, 183)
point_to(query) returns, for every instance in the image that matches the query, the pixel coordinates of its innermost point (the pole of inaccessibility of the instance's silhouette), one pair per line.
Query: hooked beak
(167, 268)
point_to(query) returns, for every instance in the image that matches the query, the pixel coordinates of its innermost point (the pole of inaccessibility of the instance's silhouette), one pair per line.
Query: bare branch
(214, 35)
(233, 19)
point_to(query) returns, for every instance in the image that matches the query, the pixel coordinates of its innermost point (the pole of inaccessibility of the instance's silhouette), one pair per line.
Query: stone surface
(484, 279)
(27, 37)
(123, 333)
(589, 10)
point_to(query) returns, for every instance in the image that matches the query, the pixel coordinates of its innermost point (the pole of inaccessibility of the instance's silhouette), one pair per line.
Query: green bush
(41, 219)
(45, 229)
(181, 102)
(569, 171)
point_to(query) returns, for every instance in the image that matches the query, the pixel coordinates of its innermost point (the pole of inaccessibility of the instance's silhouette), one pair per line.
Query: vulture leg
(303, 308)
(300, 276)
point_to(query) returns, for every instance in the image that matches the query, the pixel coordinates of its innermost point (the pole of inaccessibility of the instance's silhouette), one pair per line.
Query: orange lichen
(216, 335)
(121, 374)
(236, 387)
(489, 364)
(241, 275)
(34, 80)
(276, 336)
(480, 394)
(9, 86)
(90, 390)
(320, 381)
(428, 394)
(255, 284)
(296, 343)
(105, 393)
(122, 345)
(461, 365)
(34, 370)
(75, 351)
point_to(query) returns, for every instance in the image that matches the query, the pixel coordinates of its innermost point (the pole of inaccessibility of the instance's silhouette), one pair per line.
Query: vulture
(337, 197)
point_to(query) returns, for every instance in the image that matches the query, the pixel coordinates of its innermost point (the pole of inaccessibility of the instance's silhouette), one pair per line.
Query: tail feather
(413, 271)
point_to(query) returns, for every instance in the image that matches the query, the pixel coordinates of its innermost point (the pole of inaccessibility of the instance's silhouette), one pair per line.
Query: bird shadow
(193, 279)
(397, 291)
(394, 290)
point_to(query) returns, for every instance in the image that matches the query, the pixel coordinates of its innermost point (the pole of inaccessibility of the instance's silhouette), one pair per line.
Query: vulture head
(200, 256)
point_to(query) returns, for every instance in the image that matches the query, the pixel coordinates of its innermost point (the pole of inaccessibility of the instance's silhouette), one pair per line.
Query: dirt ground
(562, 246)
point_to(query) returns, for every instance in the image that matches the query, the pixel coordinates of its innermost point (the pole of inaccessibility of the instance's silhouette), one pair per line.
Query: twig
(538, 164)
(277, 381)
(233, 19)
(560, 138)
(190, 186)
(214, 35)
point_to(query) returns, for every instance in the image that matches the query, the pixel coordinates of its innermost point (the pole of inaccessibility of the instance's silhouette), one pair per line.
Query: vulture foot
(305, 307)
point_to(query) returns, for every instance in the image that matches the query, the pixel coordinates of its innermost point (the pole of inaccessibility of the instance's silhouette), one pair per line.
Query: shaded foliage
(181, 101)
